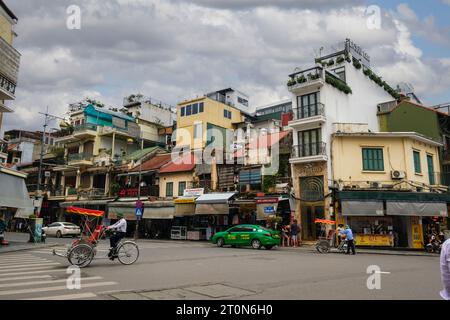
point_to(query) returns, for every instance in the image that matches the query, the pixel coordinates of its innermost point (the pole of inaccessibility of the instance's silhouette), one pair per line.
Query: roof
(264, 141)
(412, 135)
(154, 163)
(215, 197)
(139, 154)
(8, 10)
(93, 110)
(179, 164)
(417, 105)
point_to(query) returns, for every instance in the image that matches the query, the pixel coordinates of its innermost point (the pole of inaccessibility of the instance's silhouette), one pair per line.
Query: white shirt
(445, 270)
(120, 225)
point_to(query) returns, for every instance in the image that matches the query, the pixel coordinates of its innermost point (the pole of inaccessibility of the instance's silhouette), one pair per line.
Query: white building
(232, 97)
(340, 88)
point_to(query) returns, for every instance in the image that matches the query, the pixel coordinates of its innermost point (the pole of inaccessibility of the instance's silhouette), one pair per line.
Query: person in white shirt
(445, 270)
(121, 229)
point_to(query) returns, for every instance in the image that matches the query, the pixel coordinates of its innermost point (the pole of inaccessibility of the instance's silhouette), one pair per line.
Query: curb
(12, 249)
(380, 252)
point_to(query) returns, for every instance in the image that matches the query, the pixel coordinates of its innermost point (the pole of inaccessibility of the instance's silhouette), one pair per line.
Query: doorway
(309, 214)
(400, 225)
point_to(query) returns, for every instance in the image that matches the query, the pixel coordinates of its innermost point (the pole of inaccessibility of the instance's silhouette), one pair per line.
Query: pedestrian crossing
(26, 276)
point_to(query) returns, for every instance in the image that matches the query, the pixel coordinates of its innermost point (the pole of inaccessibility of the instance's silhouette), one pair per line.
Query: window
(417, 166)
(340, 72)
(251, 177)
(373, 159)
(183, 111)
(169, 189)
(200, 107)
(195, 108)
(431, 169)
(227, 114)
(308, 105)
(310, 143)
(243, 101)
(188, 110)
(181, 188)
(198, 130)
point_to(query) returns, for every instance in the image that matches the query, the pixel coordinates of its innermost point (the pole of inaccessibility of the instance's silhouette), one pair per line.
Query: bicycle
(83, 250)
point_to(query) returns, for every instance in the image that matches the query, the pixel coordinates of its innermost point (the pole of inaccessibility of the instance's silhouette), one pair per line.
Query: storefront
(268, 207)
(391, 219)
(212, 214)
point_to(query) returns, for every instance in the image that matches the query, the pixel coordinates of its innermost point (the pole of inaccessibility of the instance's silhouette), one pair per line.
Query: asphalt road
(192, 270)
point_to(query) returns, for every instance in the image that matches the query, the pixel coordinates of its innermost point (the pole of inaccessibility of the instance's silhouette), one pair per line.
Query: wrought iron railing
(313, 110)
(309, 150)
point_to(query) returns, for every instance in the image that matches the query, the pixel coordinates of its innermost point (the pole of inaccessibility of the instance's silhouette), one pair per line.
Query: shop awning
(14, 194)
(394, 196)
(159, 213)
(129, 213)
(184, 209)
(152, 210)
(184, 200)
(84, 203)
(362, 208)
(212, 209)
(223, 198)
(421, 209)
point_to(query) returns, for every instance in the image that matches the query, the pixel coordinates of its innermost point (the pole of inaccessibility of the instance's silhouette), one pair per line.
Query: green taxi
(248, 235)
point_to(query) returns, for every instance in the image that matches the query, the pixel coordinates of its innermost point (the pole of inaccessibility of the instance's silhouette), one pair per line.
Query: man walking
(348, 233)
(294, 233)
(445, 270)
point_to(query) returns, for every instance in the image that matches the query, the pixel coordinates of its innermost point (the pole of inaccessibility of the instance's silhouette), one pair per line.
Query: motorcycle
(435, 245)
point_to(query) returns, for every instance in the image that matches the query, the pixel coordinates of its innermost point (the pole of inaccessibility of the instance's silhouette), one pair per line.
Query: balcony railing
(305, 76)
(92, 193)
(9, 67)
(145, 192)
(79, 157)
(309, 150)
(86, 126)
(304, 112)
(71, 191)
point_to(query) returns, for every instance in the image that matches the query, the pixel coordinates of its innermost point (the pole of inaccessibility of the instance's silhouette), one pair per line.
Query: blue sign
(269, 210)
(138, 213)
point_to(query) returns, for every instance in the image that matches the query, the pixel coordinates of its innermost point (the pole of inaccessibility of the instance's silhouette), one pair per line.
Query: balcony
(312, 152)
(80, 159)
(306, 81)
(94, 193)
(86, 130)
(9, 70)
(308, 117)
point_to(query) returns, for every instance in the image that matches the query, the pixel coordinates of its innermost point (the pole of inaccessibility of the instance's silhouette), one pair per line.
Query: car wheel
(58, 234)
(268, 247)
(220, 242)
(256, 244)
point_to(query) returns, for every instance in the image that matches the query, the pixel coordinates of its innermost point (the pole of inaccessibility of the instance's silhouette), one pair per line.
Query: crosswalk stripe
(52, 270)
(57, 288)
(21, 266)
(4, 263)
(46, 276)
(33, 283)
(67, 297)
(48, 266)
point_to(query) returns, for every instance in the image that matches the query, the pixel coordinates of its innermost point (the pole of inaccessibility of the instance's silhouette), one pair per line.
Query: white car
(61, 229)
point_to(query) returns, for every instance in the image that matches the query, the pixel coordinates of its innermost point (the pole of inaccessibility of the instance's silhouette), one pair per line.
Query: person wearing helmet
(348, 233)
(120, 228)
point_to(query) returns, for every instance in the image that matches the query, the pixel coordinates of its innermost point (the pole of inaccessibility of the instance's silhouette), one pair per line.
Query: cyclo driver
(121, 229)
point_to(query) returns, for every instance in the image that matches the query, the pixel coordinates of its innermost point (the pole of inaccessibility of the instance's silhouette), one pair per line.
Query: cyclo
(326, 243)
(83, 250)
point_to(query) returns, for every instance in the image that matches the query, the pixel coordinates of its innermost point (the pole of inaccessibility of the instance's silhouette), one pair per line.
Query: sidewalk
(19, 242)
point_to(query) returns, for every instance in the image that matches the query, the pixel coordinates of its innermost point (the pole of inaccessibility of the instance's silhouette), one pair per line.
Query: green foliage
(291, 82)
(268, 183)
(338, 84)
(114, 188)
(331, 62)
(340, 59)
(357, 64)
(301, 79)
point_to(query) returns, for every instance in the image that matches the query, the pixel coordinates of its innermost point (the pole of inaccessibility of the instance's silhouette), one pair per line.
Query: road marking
(58, 288)
(382, 272)
(30, 268)
(33, 283)
(21, 266)
(46, 276)
(32, 272)
(4, 263)
(67, 297)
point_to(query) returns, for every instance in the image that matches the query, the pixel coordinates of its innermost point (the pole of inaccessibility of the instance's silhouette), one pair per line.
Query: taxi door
(245, 236)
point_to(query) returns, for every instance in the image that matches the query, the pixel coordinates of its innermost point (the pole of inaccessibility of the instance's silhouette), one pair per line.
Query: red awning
(85, 212)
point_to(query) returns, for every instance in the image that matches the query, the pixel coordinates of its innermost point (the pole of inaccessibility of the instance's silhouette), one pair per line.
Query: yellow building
(176, 176)
(387, 187)
(9, 64)
(204, 120)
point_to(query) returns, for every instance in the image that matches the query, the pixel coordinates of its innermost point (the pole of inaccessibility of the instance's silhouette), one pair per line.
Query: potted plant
(340, 59)
(331, 62)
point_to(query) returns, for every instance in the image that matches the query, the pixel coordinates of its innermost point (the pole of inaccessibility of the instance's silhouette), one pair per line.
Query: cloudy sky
(173, 50)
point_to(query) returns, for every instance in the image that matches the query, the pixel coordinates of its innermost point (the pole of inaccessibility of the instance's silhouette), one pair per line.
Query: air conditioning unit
(396, 174)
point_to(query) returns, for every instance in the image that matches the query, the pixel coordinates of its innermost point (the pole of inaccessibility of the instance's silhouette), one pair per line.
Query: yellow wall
(6, 29)
(176, 177)
(397, 154)
(212, 113)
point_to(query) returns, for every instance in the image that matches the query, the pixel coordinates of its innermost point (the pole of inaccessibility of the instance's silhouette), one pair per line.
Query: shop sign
(268, 200)
(310, 170)
(269, 210)
(194, 192)
(382, 240)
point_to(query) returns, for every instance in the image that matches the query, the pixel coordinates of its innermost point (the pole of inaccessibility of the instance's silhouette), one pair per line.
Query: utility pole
(48, 118)
(141, 142)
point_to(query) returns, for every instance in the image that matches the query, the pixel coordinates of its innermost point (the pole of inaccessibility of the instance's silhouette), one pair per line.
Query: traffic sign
(139, 213)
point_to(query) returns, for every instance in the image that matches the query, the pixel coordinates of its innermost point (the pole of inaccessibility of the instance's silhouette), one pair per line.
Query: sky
(173, 50)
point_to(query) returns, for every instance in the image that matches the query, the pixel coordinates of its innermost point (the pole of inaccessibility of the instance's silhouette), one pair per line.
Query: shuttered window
(417, 166)
(373, 159)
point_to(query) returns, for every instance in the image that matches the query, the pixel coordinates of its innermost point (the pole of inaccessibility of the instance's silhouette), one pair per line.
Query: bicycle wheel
(81, 255)
(323, 246)
(128, 252)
